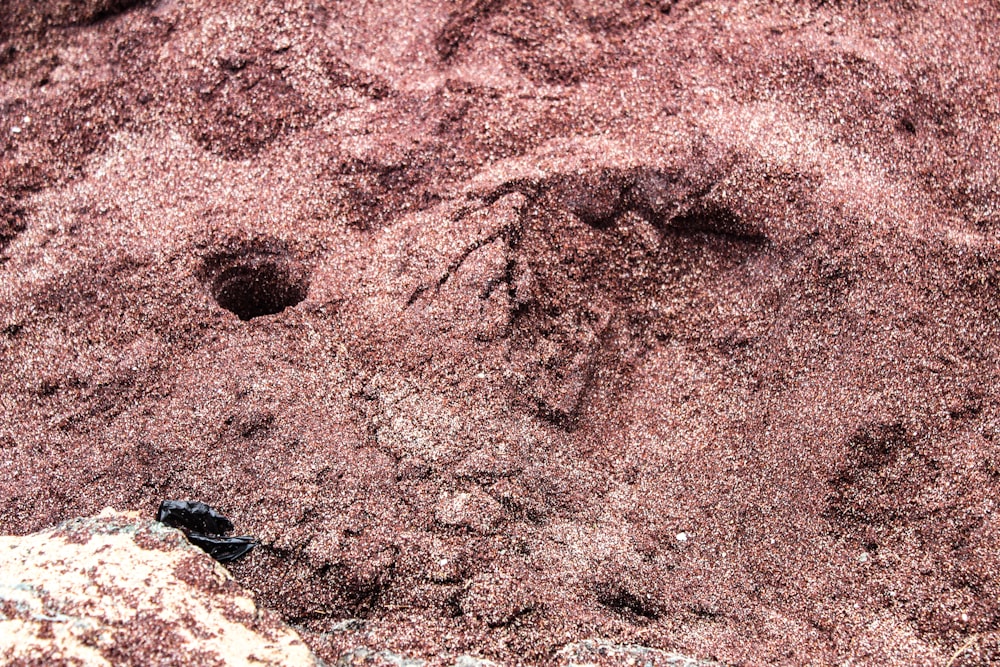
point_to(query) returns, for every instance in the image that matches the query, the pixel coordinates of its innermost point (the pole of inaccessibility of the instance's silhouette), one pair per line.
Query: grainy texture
(507, 324)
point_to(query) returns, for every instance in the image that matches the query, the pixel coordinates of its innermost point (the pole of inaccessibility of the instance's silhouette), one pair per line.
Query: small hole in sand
(254, 289)
(253, 282)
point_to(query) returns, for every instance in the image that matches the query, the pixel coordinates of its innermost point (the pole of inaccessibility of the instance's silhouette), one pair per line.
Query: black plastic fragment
(205, 528)
(223, 549)
(194, 516)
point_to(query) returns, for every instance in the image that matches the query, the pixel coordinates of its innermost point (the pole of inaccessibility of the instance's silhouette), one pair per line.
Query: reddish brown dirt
(669, 322)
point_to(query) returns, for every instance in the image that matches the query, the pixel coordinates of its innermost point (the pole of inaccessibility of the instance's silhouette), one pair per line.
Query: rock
(473, 661)
(360, 656)
(114, 588)
(364, 657)
(587, 653)
(602, 653)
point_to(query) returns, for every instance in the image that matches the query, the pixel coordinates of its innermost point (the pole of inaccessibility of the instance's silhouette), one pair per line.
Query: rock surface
(116, 589)
(600, 653)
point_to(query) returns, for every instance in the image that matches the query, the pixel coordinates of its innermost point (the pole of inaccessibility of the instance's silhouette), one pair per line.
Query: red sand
(669, 322)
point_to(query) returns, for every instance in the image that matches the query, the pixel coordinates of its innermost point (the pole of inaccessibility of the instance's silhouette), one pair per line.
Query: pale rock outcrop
(117, 589)
(603, 653)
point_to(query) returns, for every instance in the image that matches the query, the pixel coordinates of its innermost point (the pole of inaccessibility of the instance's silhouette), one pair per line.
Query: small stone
(604, 652)
(473, 661)
(682, 537)
(347, 625)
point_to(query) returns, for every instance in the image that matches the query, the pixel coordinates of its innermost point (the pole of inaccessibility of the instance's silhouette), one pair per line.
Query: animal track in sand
(626, 242)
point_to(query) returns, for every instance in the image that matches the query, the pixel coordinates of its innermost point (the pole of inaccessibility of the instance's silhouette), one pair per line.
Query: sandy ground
(505, 324)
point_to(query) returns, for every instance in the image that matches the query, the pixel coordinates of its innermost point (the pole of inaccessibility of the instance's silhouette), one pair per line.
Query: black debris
(205, 528)
(191, 515)
(223, 549)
